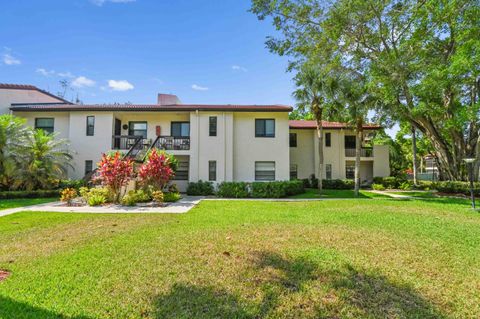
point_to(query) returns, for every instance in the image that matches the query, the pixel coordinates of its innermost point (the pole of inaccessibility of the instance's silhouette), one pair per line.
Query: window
(88, 166)
(264, 128)
(328, 171)
(293, 139)
(350, 171)
(45, 124)
(90, 125)
(328, 139)
(350, 141)
(137, 129)
(182, 171)
(212, 126)
(180, 129)
(264, 171)
(293, 171)
(212, 170)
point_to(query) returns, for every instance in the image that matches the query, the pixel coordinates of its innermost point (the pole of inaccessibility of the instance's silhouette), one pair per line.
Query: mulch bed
(4, 274)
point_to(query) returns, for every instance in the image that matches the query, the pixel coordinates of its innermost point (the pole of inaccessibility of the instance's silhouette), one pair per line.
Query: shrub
(390, 182)
(268, 190)
(171, 197)
(156, 171)
(172, 188)
(294, 187)
(133, 197)
(96, 199)
(104, 192)
(233, 190)
(456, 187)
(200, 188)
(276, 189)
(71, 183)
(378, 187)
(29, 194)
(67, 195)
(407, 185)
(114, 173)
(338, 184)
(158, 197)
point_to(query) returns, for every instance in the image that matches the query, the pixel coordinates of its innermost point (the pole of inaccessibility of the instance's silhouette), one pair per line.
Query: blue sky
(210, 51)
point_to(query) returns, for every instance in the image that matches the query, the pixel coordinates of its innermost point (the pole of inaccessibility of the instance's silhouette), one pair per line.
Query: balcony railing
(125, 142)
(181, 143)
(364, 152)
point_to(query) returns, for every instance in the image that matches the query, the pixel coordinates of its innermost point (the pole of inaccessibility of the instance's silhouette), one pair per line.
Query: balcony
(170, 143)
(364, 152)
(126, 142)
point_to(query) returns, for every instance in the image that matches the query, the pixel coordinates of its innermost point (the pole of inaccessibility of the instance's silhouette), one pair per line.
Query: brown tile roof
(303, 124)
(30, 87)
(150, 107)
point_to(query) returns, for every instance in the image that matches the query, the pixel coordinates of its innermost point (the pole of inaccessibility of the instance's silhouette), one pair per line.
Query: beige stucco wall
(205, 148)
(61, 120)
(305, 155)
(247, 149)
(89, 147)
(381, 165)
(8, 96)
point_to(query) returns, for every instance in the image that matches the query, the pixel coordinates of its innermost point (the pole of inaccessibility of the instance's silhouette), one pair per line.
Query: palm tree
(12, 136)
(312, 95)
(356, 102)
(44, 159)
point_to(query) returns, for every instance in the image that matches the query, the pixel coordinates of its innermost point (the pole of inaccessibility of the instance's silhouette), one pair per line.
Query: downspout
(198, 145)
(224, 147)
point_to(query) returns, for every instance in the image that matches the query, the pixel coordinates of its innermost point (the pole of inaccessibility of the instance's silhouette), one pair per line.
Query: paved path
(182, 206)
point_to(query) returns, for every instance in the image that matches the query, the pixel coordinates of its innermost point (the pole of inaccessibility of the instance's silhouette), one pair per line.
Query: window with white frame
(264, 171)
(293, 171)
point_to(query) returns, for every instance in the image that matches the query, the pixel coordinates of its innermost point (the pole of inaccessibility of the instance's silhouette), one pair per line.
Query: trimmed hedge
(200, 188)
(233, 190)
(312, 182)
(29, 194)
(392, 182)
(274, 189)
(457, 187)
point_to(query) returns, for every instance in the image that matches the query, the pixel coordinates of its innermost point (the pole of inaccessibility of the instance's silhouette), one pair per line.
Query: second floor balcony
(364, 152)
(126, 142)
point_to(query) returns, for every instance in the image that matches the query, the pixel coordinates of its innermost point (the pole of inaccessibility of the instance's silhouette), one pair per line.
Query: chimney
(167, 99)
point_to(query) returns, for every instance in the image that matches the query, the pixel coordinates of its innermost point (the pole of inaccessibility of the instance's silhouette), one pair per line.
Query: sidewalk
(180, 207)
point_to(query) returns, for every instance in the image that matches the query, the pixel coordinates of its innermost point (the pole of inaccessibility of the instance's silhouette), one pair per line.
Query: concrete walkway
(182, 206)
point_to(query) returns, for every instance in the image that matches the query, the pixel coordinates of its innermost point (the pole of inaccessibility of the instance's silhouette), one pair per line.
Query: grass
(13, 203)
(337, 193)
(417, 194)
(246, 259)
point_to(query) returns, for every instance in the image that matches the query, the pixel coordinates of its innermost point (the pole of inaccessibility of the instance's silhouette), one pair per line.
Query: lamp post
(470, 162)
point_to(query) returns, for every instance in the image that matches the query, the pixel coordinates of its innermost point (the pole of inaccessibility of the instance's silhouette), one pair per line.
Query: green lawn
(246, 259)
(337, 193)
(12, 203)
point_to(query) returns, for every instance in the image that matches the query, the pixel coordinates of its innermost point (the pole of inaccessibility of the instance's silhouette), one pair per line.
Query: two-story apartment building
(211, 142)
(338, 149)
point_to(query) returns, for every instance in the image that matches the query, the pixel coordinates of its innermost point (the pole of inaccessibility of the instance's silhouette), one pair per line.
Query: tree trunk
(414, 155)
(358, 150)
(320, 149)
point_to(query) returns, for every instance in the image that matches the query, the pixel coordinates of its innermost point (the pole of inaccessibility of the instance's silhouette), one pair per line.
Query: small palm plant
(43, 159)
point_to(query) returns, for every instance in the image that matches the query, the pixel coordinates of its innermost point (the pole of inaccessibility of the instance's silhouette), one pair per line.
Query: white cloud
(82, 81)
(65, 75)
(120, 85)
(239, 68)
(8, 59)
(102, 2)
(45, 72)
(199, 88)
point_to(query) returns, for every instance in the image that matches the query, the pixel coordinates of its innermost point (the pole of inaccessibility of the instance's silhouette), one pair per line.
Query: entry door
(118, 132)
